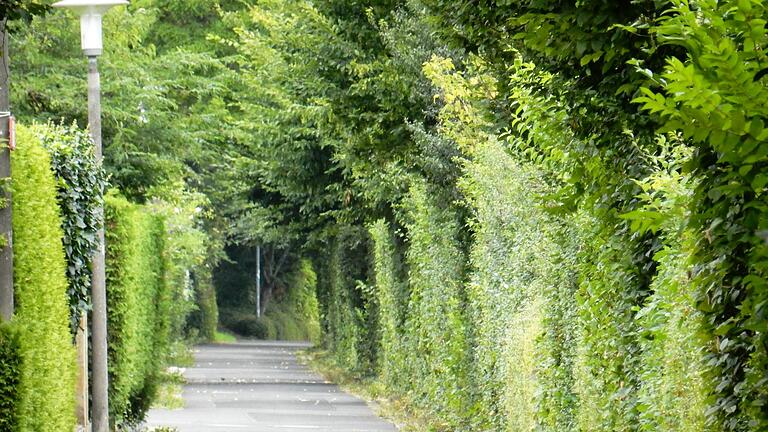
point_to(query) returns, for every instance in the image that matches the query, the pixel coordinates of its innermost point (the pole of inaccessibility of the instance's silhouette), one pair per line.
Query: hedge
(81, 182)
(345, 301)
(300, 304)
(10, 376)
(392, 298)
(436, 325)
(206, 317)
(574, 309)
(47, 401)
(138, 304)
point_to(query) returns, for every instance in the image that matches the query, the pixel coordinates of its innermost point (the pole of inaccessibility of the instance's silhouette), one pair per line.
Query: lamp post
(91, 12)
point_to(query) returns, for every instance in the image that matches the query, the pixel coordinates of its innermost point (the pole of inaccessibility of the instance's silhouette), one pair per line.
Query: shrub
(205, 319)
(47, 401)
(244, 323)
(392, 298)
(436, 325)
(81, 181)
(10, 377)
(137, 300)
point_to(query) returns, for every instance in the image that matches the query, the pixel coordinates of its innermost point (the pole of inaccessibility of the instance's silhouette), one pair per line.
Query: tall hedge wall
(47, 401)
(436, 325)
(138, 303)
(574, 295)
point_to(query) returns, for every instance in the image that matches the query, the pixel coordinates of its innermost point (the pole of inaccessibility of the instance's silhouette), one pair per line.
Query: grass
(180, 354)
(170, 389)
(397, 410)
(224, 337)
(172, 379)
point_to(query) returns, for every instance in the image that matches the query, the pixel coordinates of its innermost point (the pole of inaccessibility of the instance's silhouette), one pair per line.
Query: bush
(206, 318)
(291, 316)
(244, 323)
(81, 181)
(47, 401)
(392, 298)
(137, 300)
(10, 377)
(436, 325)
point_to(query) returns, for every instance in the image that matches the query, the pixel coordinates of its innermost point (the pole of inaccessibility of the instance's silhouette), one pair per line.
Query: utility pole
(6, 212)
(258, 281)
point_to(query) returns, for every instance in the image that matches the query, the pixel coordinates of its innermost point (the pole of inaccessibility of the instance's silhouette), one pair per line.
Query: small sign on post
(11, 133)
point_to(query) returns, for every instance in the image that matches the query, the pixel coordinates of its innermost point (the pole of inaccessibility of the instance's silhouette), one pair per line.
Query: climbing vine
(81, 182)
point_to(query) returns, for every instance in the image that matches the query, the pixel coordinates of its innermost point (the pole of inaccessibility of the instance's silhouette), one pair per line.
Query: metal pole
(6, 213)
(258, 281)
(100, 404)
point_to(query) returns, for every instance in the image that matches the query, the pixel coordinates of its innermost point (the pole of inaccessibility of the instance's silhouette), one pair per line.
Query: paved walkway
(260, 387)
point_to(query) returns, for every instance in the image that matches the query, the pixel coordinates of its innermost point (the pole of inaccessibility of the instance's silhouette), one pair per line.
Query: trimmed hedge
(436, 326)
(206, 318)
(47, 401)
(392, 298)
(10, 376)
(564, 316)
(138, 303)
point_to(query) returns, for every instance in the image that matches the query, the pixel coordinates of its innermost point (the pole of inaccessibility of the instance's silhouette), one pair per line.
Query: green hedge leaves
(47, 401)
(81, 182)
(10, 376)
(138, 302)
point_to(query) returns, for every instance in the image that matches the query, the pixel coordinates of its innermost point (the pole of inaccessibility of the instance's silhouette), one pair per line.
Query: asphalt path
(259, 386)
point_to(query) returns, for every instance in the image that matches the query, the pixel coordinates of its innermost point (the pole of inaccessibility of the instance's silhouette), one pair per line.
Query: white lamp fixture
(90, 12)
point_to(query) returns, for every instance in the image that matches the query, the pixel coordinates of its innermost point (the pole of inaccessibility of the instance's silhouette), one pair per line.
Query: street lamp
(91, 12)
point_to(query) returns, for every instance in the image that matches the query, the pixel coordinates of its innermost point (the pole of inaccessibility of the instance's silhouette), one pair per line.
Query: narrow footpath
(261, 387)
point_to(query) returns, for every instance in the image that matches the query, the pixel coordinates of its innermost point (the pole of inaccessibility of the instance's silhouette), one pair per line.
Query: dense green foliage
(206, 318)
(10, 374)
(289, 309)
(81, 183)
(138, 301)
(712, 100)
(543, 258)
(21, 9)
(522, 215)
(46, 400)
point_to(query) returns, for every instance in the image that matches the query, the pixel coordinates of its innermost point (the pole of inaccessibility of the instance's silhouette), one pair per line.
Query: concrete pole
(6, 213)
(258, 281)
(81, 345)
(100, 385)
